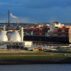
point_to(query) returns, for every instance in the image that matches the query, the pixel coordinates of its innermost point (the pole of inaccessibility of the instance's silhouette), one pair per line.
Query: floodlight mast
(8, 17)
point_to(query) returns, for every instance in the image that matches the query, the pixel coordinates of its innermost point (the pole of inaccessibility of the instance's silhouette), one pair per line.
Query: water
(36, 67)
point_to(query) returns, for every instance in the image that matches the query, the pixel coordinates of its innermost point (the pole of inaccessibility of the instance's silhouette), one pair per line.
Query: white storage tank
(3, 36)
(14, 36)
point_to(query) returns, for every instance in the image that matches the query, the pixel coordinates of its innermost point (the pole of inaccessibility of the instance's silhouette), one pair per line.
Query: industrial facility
(36, 35)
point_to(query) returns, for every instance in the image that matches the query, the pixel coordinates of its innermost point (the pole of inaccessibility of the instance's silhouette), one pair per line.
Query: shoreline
(14, 57)
(21, 62)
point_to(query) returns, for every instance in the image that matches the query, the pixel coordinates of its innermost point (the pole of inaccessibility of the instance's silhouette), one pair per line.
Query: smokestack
(8, 17)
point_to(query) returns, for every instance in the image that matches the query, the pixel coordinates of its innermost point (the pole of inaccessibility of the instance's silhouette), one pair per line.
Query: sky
(36, 11)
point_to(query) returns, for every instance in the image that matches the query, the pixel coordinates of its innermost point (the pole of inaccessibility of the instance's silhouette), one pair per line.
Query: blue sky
(37, 10)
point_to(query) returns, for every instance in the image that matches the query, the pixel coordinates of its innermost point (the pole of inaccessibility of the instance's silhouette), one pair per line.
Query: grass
(30, 55)
(33, 57)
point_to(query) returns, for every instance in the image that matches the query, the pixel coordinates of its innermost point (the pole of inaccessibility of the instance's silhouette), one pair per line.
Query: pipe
(22, 34)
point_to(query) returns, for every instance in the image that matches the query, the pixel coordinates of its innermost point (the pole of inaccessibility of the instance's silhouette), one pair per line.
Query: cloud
(18, 20)
(26, 20)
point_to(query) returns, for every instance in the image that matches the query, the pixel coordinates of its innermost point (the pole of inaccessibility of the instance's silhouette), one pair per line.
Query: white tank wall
(14, 36)
(3, 36)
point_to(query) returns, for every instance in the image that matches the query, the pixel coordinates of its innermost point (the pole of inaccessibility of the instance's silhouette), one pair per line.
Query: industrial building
(55, 34)
(36, 35)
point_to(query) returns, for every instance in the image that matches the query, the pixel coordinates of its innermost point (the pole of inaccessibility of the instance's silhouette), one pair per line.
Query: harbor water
(36, 67)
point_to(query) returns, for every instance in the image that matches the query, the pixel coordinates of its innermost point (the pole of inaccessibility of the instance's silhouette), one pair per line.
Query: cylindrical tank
(3, 36)
(14, 36)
